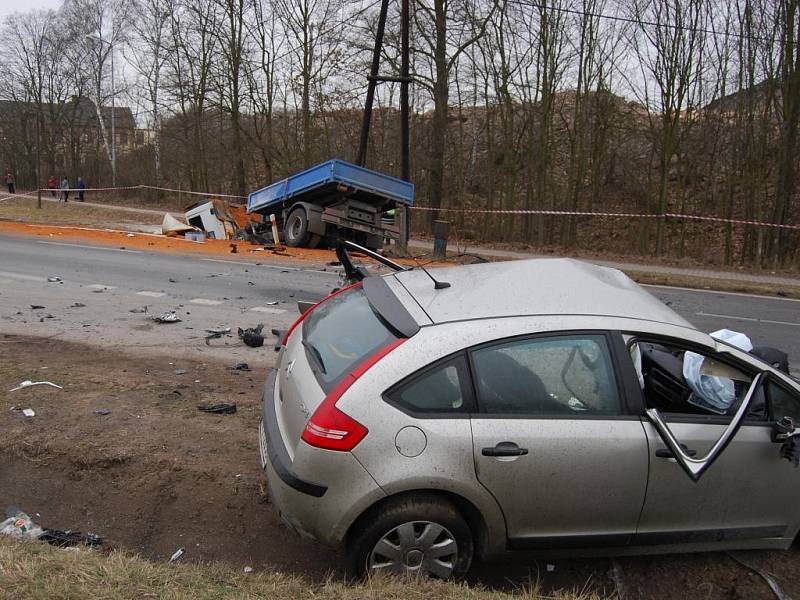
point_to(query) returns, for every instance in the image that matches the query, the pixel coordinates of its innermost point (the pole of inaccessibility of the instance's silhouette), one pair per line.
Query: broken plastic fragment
(29, 383)
(28, 412)
(167, 317)
(54, 279)
(177, 554)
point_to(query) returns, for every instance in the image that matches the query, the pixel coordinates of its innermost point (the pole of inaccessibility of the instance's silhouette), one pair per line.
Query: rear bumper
(320, 493)
(273, 450)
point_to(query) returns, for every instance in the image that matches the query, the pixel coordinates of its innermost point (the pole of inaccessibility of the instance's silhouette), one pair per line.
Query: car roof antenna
(437, 285)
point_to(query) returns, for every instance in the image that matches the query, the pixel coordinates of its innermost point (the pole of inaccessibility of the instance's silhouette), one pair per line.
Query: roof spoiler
(355, 274)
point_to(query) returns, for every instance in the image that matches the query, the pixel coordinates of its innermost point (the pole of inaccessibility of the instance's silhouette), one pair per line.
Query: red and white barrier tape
(139, 187)
(554, 213)
(576, 213)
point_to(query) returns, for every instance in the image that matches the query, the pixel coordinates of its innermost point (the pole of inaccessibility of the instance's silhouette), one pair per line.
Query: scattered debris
(130, 235)
(219, 409)
(181, 371)
(28, 383)
(177, 554)
(273, 303)
(234, 249)
(550, 567)
(63, 539)
(20, 525)
(252, 336)
(139, 310)
(28, 412)
(76, 305)
(36, 306)
(616, 577)
(171, 280)
(102, 412)
(769, 579)
(167, 317)
(98, 291)
(216, 333)
(248, 569)
(240, 366)
(54, 279)
(171, 227)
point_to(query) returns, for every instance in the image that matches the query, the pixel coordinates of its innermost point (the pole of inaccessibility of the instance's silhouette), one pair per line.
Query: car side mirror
(784, 429)
(785, 432)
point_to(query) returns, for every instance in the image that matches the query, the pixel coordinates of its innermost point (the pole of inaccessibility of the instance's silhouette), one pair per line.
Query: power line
(332, 28)
(641, 22)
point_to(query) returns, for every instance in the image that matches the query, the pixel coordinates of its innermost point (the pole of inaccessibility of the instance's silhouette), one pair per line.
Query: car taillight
(331, 429)
(308, 312)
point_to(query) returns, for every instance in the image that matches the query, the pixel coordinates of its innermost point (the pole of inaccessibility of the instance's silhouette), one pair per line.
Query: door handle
(505, 449)
(667, 453)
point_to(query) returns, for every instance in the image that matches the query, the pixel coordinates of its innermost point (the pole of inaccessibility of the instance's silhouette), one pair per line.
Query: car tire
(295, 228)
(424, 535)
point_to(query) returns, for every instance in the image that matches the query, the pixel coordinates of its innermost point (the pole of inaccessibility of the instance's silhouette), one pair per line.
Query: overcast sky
(9, 6)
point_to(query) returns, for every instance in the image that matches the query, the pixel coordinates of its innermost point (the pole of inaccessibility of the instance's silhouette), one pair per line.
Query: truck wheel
(295, 229)
(412, 536)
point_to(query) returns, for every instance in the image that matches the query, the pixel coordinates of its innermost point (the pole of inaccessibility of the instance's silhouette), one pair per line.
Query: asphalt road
(208, 293)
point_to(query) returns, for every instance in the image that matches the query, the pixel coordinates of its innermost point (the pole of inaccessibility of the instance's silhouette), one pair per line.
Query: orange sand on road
(160, 243)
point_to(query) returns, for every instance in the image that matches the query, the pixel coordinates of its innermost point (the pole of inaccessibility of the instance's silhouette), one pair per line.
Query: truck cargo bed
(327, 182)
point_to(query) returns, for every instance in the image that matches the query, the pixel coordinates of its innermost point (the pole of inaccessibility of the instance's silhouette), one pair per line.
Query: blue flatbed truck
(335, 199)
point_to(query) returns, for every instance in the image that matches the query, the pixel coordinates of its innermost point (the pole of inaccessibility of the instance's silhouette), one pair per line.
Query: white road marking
(230, 262)
(705, 314)
(685, 289)
(268, 309)
(151, 294)
(206, 302)
(90, 247)
(22, 276)
(100, 286)
(278, 267)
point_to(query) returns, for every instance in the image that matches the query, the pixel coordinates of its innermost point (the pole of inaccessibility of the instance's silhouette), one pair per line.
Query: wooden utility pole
(402, 214)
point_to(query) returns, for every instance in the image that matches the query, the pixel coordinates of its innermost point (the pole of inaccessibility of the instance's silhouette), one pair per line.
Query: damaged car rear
(546, 405)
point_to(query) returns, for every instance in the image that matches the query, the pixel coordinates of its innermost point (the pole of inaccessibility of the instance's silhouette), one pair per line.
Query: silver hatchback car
(546, 405)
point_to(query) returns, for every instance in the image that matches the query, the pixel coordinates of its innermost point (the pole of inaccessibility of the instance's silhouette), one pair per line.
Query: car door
(554, 442)
(748, 492)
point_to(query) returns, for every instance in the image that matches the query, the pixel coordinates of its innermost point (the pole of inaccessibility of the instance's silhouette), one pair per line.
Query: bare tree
(149, 46)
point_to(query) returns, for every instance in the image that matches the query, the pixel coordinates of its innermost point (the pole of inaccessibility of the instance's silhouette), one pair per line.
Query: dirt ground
(155, 474)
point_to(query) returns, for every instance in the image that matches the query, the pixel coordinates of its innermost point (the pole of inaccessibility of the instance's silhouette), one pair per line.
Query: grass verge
(73, 213)
(34, 570)
(713, 283)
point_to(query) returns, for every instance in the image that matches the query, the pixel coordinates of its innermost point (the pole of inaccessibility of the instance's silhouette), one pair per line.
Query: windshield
(340, 333)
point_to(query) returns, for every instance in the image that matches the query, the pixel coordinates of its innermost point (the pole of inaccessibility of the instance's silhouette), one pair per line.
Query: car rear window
(340, 333)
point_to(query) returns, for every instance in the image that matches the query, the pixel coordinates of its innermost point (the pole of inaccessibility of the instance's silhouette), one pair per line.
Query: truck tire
(295, 228)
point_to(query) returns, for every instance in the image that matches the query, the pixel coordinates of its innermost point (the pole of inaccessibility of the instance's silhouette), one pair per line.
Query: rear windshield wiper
(317, 357)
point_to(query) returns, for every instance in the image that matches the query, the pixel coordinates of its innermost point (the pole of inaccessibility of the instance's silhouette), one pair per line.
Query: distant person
(10, 184)
(81, 188)
(52, 185)
(65, 189)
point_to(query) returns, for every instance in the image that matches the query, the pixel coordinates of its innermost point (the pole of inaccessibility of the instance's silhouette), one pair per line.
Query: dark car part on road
(63, 539)
(252, 336)
(220, 409)
(240, 366)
